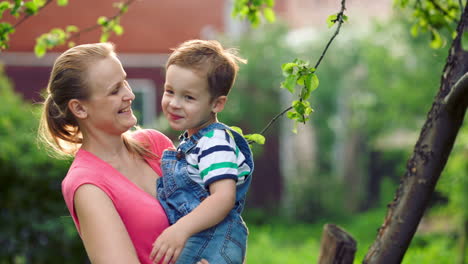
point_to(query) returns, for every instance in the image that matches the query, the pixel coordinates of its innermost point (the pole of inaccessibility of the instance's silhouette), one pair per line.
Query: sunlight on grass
(280, 242)
(283, 244)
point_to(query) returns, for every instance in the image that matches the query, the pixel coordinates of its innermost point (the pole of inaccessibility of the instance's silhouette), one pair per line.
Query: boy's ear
(77, 108)
(219, 103)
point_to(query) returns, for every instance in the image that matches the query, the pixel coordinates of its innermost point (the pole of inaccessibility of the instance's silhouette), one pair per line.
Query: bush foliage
(35, 226)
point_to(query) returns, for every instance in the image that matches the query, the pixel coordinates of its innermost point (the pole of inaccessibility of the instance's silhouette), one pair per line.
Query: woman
(110, 187)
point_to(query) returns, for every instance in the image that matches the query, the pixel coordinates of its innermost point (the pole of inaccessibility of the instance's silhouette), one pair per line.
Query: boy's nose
(174, 103)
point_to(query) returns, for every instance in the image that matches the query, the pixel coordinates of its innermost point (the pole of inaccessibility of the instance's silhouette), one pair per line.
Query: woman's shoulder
(152, 133)
(157, 140)
(86, 168)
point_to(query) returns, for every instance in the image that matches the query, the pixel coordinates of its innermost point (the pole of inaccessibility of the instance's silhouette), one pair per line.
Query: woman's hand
(203, 261)
(169, 245)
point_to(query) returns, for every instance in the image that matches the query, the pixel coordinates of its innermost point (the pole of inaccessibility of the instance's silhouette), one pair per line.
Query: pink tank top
(141, 213)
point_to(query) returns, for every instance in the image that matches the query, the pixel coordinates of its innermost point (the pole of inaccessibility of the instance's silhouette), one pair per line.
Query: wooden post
(337, 246)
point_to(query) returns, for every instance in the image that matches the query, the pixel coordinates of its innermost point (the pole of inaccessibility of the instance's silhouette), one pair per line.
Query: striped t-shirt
(216, 157)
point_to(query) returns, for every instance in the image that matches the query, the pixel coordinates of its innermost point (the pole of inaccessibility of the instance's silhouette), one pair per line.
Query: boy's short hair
(208, 56)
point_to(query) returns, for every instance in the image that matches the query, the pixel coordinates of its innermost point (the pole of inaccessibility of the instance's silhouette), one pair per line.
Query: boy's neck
(193, 131)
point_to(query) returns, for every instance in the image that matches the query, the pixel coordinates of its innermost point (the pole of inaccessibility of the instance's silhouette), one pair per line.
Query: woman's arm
(103, 233)
(209, 213)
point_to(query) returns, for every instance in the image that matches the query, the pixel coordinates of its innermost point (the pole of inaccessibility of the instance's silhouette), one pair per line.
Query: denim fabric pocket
(233, 250)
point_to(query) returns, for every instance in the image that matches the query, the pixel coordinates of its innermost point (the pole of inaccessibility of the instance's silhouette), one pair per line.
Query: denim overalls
(179, 195)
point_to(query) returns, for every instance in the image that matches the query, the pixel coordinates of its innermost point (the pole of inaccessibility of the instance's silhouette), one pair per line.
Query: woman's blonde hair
(58, 127)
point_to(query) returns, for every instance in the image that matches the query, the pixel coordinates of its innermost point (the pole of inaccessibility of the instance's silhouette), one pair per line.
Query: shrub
(35, 226)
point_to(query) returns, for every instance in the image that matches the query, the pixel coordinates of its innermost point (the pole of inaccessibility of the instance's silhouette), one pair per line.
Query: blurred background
(377, 83)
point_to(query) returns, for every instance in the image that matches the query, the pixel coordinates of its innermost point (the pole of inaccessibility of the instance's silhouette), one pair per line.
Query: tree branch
(457, 94)
(96, 26)
(27, 16)
(274, 119)
(340, 20)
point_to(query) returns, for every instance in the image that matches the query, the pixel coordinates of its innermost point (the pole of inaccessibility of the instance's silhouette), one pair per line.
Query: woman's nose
(129, 95)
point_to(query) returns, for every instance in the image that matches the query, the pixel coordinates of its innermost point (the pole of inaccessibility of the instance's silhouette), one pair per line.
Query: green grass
(297, 243)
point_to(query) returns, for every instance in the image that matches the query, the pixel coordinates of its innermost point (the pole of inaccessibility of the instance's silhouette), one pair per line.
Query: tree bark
(337, 246)
(429, 157)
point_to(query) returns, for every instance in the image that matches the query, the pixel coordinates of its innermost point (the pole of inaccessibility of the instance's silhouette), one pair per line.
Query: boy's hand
(169, 245)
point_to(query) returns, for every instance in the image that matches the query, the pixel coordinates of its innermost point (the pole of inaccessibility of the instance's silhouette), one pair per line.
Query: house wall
(150, 26)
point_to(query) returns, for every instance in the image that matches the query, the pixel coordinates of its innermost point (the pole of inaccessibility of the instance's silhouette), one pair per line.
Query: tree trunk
(337, 246)
(428, 159)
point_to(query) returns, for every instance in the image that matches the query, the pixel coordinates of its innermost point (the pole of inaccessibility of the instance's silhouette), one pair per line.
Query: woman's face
(109, 105)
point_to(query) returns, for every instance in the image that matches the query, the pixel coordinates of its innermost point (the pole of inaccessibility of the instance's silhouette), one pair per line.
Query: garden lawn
(286, 243)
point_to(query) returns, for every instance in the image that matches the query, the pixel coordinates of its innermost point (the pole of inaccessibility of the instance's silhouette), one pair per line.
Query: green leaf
(437, 41)
(289, 83)
(464, 41)
(39, 49)
(302, 110)
(293, 115)
(40, 3)
(102, 21)
(301, 107)
(71, 28)
(313, 81)
(270, 3)
(16, 7)
(124, 9)
(331, 20)
(301, 79)
(288, 68)
(301, 63)
(256, 2)
(414, 30)
(5, 30)
(31, 8)
(104, 37)
(118, 29)
(237, 129)
(305, 92)
(62, 2)
(254, 18)
(3, 7)
(257, 138)
(269, 14)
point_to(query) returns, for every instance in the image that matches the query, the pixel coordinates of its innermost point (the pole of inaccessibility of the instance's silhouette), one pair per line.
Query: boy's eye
(169, 91)
(188, 97)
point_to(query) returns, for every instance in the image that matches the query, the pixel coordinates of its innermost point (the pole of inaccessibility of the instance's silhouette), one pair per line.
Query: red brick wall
(150, 26)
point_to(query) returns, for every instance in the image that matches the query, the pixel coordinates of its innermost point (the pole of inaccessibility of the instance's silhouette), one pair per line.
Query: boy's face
(186, 101)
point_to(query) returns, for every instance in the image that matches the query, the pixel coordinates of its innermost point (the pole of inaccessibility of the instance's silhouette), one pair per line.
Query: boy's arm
(209, 213)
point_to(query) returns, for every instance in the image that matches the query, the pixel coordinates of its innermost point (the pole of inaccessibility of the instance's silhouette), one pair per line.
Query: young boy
(204, 182)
